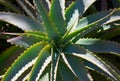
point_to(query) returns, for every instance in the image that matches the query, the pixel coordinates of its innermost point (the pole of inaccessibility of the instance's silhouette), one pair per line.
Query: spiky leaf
(43, 59)
(80, 5)
(80, 52)
(26, 60)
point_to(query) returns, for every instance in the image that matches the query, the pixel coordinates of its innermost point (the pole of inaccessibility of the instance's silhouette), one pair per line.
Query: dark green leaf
(8, 57)
(54, 65)
(49, 25)
(66, 73)
(57, 15)
(78, 67)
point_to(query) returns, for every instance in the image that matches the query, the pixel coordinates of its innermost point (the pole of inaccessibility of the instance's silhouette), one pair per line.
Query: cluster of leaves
(58, 42)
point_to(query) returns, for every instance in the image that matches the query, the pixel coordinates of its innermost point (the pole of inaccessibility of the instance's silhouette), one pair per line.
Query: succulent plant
(58, 43)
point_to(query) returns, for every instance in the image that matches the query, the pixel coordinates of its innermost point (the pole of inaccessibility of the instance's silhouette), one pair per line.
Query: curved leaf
(20, 21)
(25, 61)
(100, 46)
(78, 51)
(93, 18)
(43, 59)
(57, 15)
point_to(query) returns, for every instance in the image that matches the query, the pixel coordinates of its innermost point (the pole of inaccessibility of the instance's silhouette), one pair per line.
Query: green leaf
(78, 67)
(84, 30)
(100, 46)
(80, 5)
(65, 72)
(25, 61)
(37, 34)
(80, 52)
(51, 30)
(20, 21)
(43, 59)
(57, 15)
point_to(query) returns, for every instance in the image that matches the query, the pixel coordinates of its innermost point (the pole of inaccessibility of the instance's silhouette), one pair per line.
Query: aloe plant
(56, 44)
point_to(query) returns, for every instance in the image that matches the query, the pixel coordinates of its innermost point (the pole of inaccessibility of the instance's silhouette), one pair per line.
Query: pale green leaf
(100, 46)
(71, 26)
(27, 38)
(25, 61)
(46, 73)
(20, 21)
(80, 5)
(45, 77)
